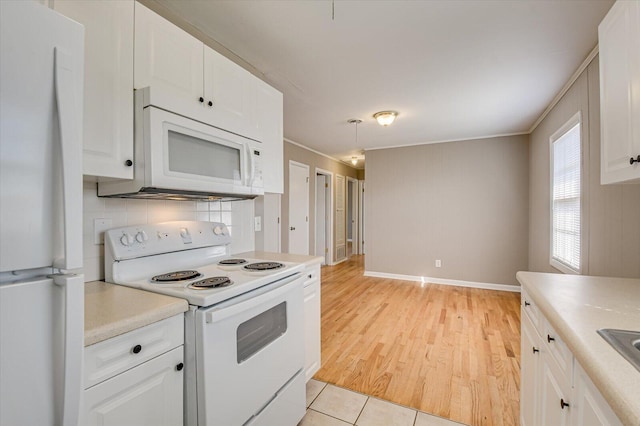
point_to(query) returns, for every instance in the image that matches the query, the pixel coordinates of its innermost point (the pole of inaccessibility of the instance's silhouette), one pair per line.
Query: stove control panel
(150, 239)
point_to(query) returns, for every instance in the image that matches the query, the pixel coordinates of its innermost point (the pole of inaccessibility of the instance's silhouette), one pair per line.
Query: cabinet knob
(563, 404)
(310, 276)
(179, 367)
(535, 350)
(634, 160)
(201, 99)
(210, 103)
(292, 228)
(128, 163)
(550, 339)
(136, 349)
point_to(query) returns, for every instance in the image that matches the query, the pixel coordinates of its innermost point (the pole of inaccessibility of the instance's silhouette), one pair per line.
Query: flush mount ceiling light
(385, 118)
(356, 121)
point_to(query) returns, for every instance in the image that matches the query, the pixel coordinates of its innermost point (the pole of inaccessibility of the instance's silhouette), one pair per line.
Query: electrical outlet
(438, 263)
(99, 226)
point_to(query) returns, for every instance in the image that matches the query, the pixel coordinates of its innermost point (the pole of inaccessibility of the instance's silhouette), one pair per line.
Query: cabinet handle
(201, 99)
(310, 276)
(179, 367)
(527, 303)
(136, 349)
(550, 339)
(535, 350)
(634, 160)
(563, 404)
(210, 103)
(128, 163)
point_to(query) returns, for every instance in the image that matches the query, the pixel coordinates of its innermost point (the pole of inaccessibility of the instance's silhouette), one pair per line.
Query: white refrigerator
(41, 281)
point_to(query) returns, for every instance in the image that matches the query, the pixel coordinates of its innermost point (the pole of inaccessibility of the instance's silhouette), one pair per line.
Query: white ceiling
(452, 69)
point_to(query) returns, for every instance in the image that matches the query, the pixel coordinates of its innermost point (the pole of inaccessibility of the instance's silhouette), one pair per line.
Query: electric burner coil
(176, 276)
(212, 282)
(263, 266)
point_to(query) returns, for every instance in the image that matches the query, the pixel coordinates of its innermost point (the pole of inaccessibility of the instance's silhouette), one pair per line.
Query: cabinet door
(147, 395)
(529, 372)
(269, 127)
(168, 60)
(590, 407)
(108, 84)
(619, 39)
(229, 89)
(555, 391)
(312, 323)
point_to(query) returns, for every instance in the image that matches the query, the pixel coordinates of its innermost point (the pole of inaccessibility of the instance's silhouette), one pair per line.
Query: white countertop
(111, 310)
(576, 306)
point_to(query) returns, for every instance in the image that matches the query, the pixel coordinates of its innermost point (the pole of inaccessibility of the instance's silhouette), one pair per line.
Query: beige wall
(313, 160)
(611, 213)
(465, 203)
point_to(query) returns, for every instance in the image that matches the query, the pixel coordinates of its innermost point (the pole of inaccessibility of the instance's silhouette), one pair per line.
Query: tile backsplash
(237, 215)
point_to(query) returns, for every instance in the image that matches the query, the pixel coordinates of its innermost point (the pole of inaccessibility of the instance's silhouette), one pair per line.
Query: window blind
(566, 213)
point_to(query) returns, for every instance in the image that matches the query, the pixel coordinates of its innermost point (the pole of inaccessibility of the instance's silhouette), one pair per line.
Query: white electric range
(244, 338)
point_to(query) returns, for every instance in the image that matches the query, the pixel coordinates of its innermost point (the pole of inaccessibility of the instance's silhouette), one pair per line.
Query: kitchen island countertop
(111, 310)
(576, 307)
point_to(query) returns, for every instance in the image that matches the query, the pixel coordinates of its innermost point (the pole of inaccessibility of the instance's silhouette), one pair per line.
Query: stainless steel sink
(626, 342)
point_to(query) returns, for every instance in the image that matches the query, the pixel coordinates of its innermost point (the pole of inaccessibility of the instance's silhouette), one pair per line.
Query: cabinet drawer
(530, 309)
(110, 357)
(311, 275)
(558, 349)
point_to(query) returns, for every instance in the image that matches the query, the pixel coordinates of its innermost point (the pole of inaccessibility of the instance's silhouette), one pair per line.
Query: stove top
(186, 259)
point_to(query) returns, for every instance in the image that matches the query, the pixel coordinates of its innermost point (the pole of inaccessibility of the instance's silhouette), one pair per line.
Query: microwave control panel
(257, 181)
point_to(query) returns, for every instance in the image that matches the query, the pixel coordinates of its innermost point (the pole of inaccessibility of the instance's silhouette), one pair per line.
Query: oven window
(195, 156)
(259, 331)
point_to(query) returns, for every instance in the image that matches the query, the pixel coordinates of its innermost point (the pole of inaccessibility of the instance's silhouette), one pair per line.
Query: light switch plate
(258, 223)
(99, 226)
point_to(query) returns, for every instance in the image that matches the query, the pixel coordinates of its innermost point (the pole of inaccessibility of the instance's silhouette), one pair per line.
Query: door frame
(306, 166)
(328, 206)
(361, 213)
(352, 202)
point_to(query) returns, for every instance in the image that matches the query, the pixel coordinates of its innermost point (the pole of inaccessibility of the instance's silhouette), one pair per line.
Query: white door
(321, 220)
(352, 216)
(361, 217)
(298, 208)
(271, 224)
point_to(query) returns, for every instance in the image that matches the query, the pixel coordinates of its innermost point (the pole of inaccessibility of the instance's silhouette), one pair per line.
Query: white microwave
(176, 157)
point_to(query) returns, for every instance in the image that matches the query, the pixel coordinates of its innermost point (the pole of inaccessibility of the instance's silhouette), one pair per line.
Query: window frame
(576, 119)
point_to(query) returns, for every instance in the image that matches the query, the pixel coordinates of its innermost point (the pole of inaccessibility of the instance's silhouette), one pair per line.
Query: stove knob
(141, 237)
(184, 232)
(126, 240)
(218, 230)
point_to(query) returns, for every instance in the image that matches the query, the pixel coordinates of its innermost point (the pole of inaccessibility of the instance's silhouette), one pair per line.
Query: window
(565, 197)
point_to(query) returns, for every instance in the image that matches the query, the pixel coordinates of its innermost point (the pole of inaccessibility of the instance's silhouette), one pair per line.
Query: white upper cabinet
(170, 61)
(269, 110)
(108, 84)
(619, 38)
(191, 79)
(229, 95)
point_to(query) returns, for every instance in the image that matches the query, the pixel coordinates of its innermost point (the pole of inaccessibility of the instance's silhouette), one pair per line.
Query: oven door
(248, 349)
(188, 155)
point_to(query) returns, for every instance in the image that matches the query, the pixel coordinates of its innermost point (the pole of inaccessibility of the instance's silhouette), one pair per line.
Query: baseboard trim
(444, 281)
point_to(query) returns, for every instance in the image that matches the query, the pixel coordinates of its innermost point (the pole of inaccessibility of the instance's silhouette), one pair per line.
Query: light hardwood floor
(449, 351)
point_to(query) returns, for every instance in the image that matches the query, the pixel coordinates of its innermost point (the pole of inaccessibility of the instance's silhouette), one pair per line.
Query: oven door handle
(253, 298)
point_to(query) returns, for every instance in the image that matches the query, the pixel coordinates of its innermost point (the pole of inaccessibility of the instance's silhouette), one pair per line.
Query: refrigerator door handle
(73, 286)
(70, 121)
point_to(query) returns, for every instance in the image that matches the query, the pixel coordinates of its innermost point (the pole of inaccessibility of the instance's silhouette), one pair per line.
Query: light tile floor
(329, 405)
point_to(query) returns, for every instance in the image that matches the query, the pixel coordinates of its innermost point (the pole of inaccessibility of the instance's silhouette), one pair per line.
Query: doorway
(323, 216)
(361, 245)
(298, 208)
(352, 217)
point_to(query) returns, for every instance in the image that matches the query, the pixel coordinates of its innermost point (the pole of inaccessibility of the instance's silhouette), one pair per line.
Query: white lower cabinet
(148, 395)
(554, 389)
(312, 321)
(136, 379)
